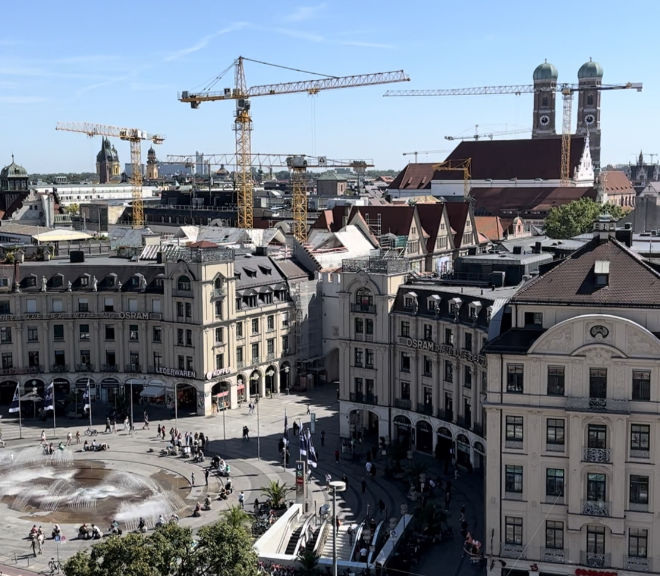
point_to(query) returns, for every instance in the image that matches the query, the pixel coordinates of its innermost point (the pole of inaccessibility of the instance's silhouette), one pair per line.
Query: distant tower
(590, 74)
(545, 85)
(152, 165)
(107, 163)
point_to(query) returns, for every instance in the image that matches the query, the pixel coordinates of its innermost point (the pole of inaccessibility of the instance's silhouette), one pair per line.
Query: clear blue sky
(123, 63)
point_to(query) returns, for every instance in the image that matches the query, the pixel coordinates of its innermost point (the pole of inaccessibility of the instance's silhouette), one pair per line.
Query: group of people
(95, 446)
(37, 538)
(89, 531)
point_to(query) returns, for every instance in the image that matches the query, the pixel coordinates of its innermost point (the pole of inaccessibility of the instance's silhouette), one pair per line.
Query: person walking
(192, 479)
(363, 484)
(108, 428)
(77, 436)
(206, 476)
(322, 437)
(336, 456)
(69, 438)
(241, 500)
(309, 410)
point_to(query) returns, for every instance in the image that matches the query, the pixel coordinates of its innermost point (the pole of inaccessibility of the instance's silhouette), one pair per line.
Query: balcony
(217, 293)
(446, 415)
(134, 367)
(595, 508)
(403, 403)
(84, 368)
(423, 408)
(599, 455)
(363, 398)
(59, 368)
(513, 551)
(582, 404)
(270, 356)
(478, 429)
(594, 560)
(109, 368)
(8, 371)
(256, 360)
(240, 364)
(35, 369)
(364, 308)
(553, 555)
(638, 564)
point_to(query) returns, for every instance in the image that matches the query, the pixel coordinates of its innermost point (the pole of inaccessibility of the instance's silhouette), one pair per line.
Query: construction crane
(243, 121)
(566, 90)
(463, 165)
(477, 136)
(135, 137)
(423, 152)
(297, 163)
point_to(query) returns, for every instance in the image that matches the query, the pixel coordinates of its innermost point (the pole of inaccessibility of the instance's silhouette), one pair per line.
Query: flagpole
(54, 425)
(89, 401)
(20, 415)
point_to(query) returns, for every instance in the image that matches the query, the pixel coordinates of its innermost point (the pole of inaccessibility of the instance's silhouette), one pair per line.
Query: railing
(364, 308)
(84, 368)
(637, 563)
(513, 550)
(109, 368)
(594, 560)
(582, 404)
(403, 403)
(35, 369)
(240, 364)
(425, 408)
(59, 368)
(478, 429)
(256, 360)
(595, 508)
(133, 367)
(553, 555)
(446, 415)
(369, 337)
(600, 455)
(270, 356)
(218, 293)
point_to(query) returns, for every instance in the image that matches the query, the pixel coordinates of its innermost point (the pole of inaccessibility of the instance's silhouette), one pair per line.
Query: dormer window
(433, 303)
(410, 300)
(57, 281)
(183, 283)
(475, 307)
(84, 281)
(455, 306)
(601, 272)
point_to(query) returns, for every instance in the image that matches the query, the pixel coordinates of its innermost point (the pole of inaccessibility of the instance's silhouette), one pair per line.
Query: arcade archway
(444, 444)
(403, 431)
(424, 440)
(463, 451)
(363, 423)
(255, 383)
(286, 376)
(7, 389)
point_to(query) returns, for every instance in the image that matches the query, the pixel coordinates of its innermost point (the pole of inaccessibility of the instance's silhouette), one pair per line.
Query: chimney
(604, 227)
(537, 247)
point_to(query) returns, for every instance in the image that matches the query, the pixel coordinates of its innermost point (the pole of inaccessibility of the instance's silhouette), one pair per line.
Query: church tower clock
(545, 90)
(590, 75)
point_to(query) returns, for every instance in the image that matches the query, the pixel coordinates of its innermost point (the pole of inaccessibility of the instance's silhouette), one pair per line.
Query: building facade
(573, 432)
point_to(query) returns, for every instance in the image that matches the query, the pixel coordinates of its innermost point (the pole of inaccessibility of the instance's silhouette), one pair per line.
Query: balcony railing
(109, 368)
(582, 404)
(594, 560)
(403, 403)
(513, 550)
(363, 398)
(552, 555)
(364, 308)
(59, 368)
(84, 368)
(637, 563)
(241, 364)
(35, 369)
(425, 408)
(135, 367)
(270, 356)
(446, 415)
(218, 293)
(595, 508)
(600, 455)
(8, 371)
(478, 429)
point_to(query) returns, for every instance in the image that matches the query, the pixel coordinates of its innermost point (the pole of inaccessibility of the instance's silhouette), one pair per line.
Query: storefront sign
(82, 316)
(446, 349)
(590, 572)
(217, 372)
(175, 372)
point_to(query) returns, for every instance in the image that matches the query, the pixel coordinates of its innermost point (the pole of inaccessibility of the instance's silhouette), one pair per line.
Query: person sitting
(215, 462)
(60, 446)
(142, 525)
(228, 487)
(200, 456)
(223, 494)
(86, 446)
(96, 532)
(198, 511)
(83, 531)
(114, 527)
(174, 518)
(56, 531)
(207, 503)
(94, 444)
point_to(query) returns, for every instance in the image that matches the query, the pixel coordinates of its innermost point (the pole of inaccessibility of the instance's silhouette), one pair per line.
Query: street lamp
(337, 486)
(286, 373)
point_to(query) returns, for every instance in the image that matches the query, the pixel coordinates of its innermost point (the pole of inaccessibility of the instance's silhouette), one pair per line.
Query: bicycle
(54, 566)
(91, 432)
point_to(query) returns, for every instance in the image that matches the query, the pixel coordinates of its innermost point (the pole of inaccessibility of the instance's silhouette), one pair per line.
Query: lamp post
(130, 424)
(258, 431)
(337, 486)
(286, 373)
(176, 407)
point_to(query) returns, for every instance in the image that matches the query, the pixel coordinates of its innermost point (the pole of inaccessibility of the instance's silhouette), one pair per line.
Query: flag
(312, 459)
(49, 403)
(286, 424)
(303, 445)
(15, 405)
(86, 398)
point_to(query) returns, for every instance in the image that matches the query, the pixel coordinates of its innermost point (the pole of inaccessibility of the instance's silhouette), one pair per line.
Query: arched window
(219, 283)
(364, 300)
(183, 283)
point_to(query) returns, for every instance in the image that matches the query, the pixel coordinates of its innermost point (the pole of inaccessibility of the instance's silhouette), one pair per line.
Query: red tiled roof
(631, 282)
(458, 212)
(413, 177)
(393, 219)
(521, 200)
(616, 182)
(204, 244)
(430, 216)
(331, 220)
(490, 226)
(507, 159)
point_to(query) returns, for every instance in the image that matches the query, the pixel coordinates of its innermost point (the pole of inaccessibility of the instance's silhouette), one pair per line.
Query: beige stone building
(572, 420)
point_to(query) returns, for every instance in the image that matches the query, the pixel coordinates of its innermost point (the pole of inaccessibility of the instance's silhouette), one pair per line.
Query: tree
(276, 492)
(577, 217)
(236, 517)
(308, 560)
(225, 550)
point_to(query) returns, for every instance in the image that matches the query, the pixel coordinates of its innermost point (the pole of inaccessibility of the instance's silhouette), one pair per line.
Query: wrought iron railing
(600, 455)
(595, 508)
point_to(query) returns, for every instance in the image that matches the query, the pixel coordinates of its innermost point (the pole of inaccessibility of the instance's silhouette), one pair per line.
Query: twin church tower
(590, 75)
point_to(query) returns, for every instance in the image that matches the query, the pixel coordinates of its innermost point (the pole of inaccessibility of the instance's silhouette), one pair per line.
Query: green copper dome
(545, 71)
(590, 69)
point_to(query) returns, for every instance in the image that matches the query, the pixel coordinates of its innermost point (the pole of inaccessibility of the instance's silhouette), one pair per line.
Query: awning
(240, 387)
(152, 392)
(222, 394)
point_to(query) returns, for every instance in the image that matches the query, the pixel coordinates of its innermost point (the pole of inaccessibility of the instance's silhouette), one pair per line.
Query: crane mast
(134, 136)
(243, 123)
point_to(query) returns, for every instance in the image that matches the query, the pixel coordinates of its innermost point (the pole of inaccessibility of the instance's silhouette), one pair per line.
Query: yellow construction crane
(297, 163)
(566, 90)
(477, 136)
(243, 122)
(462, 165)
(135, 137)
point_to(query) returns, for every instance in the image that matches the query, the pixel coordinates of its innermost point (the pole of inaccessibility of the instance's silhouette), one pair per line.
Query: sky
(124, 63)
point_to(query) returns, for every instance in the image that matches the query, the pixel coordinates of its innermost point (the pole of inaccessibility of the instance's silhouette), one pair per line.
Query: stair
(311, 542)
(293, 541)
(343, 544)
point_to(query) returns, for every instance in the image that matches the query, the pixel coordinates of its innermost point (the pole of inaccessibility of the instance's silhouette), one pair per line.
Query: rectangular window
(85, 358)
(108, 304)
(640, 435)
(188, 310)
(179, 309)
(641, 385)
(219, 335)
(58, 332)
(428, 332)
(239, 356)
(513, 530)
(33, 334)
(270, 346)
(84, 331)
(58, 306)
(270, 323)
(155, 306)
(30, 306)
(358, 386)
(369, 326)
(33, 359)
(554, 534)
(133, 333)
(83, 305)
(7, 361)
(179, 336)
(554, 482)
(405, 328)
(359, 326)
(157, 334)
(405, 362)
(218, 309)
(639, 489)
(468, 342)
(449, 337)
(555, 432)
(467, 376)
(5, 335)
(513, 478)
(189, 341)
(255, 326)
(428, 366)
(533, 318)
(596, 487)
(405, 390)
(239, 329)
(358, 356)
(219, 361)
(285, 344)
(638, 539)
(597, 382)
(189, 363)
(109, 332)
(369, 358)
(180, 362)
(449, 371)
(595, 539)
(255, 352)
(597, 436)
(514, 378)
(132, 305)
(514, 428)
(555, 380)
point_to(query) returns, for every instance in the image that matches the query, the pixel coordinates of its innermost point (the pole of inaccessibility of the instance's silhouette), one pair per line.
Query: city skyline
(125, 68)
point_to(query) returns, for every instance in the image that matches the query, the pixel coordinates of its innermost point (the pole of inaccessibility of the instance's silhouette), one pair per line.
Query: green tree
(236, 517)
(127, 556)
(171, 549)
(577, 217)
(309, 560)
(225, 550)
(277, 492)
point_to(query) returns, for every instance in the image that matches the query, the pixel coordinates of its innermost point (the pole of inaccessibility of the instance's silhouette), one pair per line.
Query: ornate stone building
(107, 163)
